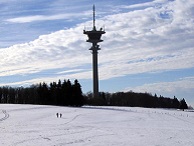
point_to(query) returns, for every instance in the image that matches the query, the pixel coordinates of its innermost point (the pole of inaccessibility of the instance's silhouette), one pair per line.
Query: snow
(37, 125)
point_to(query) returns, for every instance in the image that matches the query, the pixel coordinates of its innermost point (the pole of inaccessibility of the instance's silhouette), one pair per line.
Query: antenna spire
(94, 27)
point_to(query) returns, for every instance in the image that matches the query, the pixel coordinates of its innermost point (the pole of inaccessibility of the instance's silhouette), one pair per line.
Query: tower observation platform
(94, 37)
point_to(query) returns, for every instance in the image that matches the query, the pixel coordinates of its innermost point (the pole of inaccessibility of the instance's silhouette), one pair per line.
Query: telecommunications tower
(94, 37)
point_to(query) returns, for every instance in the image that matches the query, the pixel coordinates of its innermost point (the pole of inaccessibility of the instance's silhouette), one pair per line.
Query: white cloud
(184, 84)
(147, 40)
(47, 52)
(140, 5)
(27, 19)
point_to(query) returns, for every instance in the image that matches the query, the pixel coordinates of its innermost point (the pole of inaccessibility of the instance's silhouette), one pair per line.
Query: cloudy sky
(148, 45)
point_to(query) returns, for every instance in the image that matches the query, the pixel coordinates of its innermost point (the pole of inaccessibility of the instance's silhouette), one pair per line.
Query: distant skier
(57, 115)
(60, 115)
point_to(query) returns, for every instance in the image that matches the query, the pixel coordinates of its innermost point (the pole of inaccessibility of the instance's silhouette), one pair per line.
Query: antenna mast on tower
(94, 26)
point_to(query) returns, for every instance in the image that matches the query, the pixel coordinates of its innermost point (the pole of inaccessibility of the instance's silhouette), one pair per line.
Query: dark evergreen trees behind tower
(63, 94)
(77, 94)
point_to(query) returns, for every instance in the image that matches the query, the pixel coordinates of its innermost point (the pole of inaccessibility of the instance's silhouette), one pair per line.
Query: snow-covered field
(35, 125)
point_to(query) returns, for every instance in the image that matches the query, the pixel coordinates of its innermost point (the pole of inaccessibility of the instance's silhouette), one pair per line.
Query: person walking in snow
(60, 115)
(57, 115)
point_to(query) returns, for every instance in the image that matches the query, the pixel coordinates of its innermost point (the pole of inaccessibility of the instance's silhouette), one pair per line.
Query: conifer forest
(67, 93)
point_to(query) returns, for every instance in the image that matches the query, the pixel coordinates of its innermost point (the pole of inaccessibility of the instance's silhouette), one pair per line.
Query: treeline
(70, 94)
(135, 100)
(61, 93)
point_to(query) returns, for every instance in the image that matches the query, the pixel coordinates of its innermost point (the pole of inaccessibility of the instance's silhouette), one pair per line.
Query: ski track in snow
(31, 125)
(6, 115)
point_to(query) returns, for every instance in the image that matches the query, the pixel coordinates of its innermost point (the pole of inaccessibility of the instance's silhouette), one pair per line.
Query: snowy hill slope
(36, 125)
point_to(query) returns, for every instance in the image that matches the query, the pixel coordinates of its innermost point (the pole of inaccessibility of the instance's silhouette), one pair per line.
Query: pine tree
(77, 94)
(53, 94)
(59, 93)
(175, 103)
(1, 94)
(183, 104)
